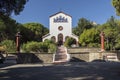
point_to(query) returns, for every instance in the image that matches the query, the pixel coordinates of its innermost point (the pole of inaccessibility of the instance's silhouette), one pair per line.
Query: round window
(60, 28)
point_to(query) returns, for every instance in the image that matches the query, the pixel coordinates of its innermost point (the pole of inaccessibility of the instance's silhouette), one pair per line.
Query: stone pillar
(18, 42)
(102, 35)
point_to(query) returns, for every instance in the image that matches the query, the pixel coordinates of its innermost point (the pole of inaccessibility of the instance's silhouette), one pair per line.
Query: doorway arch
(60, 39)
(53, 38)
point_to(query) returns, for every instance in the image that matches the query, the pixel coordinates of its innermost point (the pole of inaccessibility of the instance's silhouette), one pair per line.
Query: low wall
(79, 57)
(118, 55)
(78, 50)
(48, 57)
(74, 57)
(86, 54)
(95, 56)
(35, 58)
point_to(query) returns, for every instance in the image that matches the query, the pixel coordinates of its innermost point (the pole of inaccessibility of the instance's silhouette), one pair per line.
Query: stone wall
(86, 54)
(95, 56)
(118, 55)
(77, 50)
(75, 56)
(46, 58)
(79, 57)
(35, 58)
(113, 53)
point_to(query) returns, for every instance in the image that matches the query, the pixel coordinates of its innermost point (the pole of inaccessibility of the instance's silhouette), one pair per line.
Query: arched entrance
(53, 38)
(60, 39)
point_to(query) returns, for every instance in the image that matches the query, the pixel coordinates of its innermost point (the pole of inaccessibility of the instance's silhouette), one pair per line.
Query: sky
(39, 11)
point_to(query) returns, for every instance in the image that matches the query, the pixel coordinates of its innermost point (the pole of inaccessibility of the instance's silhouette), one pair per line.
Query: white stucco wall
(53, 27)
(67, 26)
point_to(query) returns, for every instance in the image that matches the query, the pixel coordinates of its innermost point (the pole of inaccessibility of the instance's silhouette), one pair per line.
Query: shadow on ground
(74, 59)
(98, 60)
(5, 65)
(68, 71)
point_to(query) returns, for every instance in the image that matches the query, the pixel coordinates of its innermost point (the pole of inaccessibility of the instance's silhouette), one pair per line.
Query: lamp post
(102, 35)
(18, 42)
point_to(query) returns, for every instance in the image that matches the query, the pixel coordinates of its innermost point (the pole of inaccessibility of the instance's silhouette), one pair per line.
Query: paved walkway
(66, 71)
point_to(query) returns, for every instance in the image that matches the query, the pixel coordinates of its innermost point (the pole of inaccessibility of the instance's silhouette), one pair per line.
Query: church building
(60, 28)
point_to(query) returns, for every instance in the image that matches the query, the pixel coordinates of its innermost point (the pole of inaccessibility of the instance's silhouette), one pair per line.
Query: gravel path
(66, 71)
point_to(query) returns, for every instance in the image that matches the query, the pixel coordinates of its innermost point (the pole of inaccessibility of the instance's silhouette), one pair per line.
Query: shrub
(31, 46)
(38, 47)
(69, 42)
(10, 45)
(52, 48)
(50, 45)
(44, 47)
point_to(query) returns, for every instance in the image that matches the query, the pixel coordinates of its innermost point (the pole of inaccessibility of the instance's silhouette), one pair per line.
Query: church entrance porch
(60, 39)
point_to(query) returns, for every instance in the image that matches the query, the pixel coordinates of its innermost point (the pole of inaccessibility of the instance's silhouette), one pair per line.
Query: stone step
(61, 55)
(111, 57)
(61, 51)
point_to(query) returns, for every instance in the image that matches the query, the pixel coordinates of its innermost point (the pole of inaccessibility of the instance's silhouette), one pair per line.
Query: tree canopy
(8, 28)
(7, 7)
(33, 31)
(89, 38)
(116, 5)
(82, 24)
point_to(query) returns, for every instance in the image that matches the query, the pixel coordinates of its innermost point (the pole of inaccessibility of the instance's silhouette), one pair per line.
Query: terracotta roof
(60, 12)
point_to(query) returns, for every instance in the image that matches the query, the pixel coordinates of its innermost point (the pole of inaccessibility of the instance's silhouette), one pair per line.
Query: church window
(60, 28)
(54, 20)
(53, 38)
(60, 19)
(66, 20)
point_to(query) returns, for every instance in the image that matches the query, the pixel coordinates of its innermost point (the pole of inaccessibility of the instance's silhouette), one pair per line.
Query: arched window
(53, 38)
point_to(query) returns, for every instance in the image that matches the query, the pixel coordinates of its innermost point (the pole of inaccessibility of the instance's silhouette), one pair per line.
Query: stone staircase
(110, 57)
(10, 59)
(61, 55)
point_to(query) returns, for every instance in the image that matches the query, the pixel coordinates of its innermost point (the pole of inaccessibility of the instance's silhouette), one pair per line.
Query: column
(102, 41)
(18, 42)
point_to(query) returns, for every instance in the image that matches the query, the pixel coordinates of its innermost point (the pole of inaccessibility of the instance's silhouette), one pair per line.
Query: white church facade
(60, 28)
